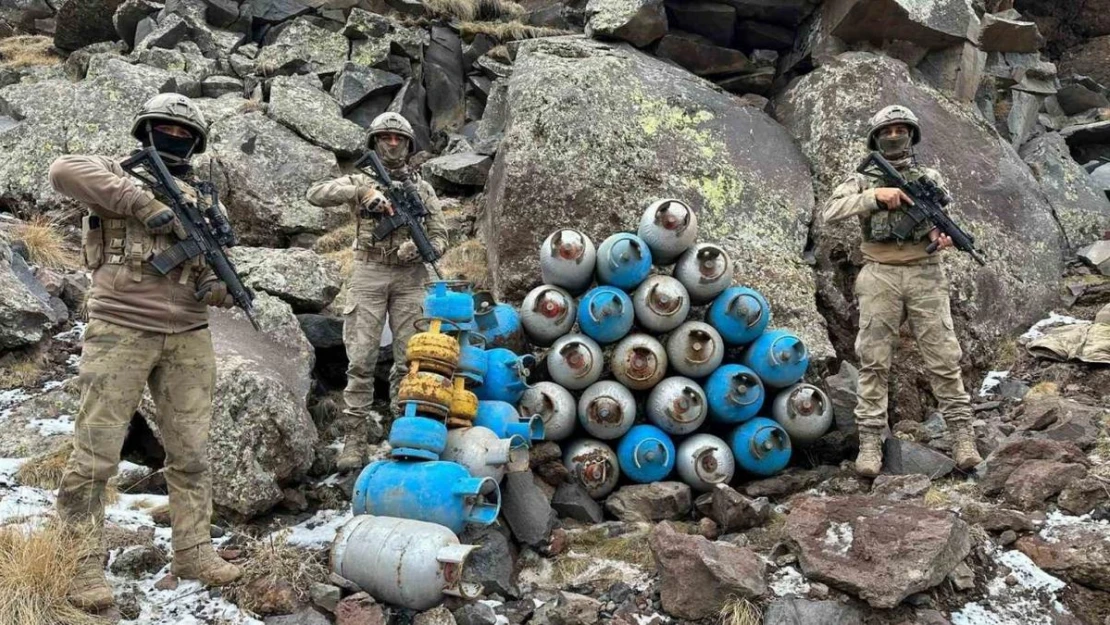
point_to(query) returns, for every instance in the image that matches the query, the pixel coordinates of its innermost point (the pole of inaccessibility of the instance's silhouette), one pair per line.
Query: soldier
(388, 276)
(900, 280)
(144, 329)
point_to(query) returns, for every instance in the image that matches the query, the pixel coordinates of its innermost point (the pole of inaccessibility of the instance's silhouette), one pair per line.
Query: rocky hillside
(542, 114)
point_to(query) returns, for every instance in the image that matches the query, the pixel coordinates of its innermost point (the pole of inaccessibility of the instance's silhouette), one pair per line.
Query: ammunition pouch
(886, 226)
(92, 241)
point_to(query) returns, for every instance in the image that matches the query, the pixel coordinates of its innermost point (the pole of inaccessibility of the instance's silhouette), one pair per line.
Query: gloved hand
(371, 201)
(159, 219)
(215, 294)
(408, 253)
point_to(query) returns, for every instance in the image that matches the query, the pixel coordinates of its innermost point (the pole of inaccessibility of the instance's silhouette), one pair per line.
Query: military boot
(869, 462)
(354, 454)
(965, 454)
(201, 563)
(90, 590)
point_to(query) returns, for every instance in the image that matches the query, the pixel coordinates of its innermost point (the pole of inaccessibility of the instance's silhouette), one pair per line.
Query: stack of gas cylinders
(658, 364)
(448, 455)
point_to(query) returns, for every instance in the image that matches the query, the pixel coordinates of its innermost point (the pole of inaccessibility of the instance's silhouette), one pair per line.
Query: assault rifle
(207, 232)
(407, 209)
(928, 204)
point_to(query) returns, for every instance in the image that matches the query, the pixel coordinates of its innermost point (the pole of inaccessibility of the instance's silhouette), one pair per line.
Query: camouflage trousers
(889, 295)
(373, 290)
(117, 363)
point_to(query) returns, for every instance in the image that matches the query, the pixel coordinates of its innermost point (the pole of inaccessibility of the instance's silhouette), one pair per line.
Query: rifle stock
(206, 234)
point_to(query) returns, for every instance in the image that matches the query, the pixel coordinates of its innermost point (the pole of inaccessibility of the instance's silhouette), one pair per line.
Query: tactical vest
(126, 241)
(878, 225)
(364, 231)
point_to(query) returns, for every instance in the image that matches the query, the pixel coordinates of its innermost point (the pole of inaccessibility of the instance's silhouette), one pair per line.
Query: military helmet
(895, 114)
(391, 122)
(172, 108)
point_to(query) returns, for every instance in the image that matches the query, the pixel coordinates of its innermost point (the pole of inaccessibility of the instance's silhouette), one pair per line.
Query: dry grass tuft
(271, 558)
(467, 261)
(37, 565)
(739, 611)
(937, 498)
(508, 31)
(337, 240)
(252, 105)
(46, 244)
(474, 10)
(45, 470)
(28, 51)
(591, 546)
(21, 370)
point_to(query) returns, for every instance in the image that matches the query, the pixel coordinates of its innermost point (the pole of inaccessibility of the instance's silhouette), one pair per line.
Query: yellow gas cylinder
(464, 406)
(432, 350)
(431, 392)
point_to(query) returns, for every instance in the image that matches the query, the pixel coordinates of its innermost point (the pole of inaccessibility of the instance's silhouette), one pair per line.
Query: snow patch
(11, 398)
(72, 335)
(1037, 330)
(501, 619)
(1032, 599)
(992, 380)
(319, 530)
(8, 469)
(63, 424)
(1057, 524)
(25, 503)
(838, 537)
(787, 582)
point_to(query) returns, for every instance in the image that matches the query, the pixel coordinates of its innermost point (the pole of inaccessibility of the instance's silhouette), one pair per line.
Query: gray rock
(355, 84)
(956, 70)
(1016, 228)
(81, 22)
(1083, 496)
(139, 562)
(1060, 419)
(436, 616)
(475, 614)
(942, 23)
(322, 332)
(880, 551)
(1076, 98)
(305, 280)
(901, 487)
(302, 47)
(362, 24)
(658, 501)
(310, 112)
(996, 470)
(526, 509)
(806, 612)
(128, 15)
(901, 457)
(655, 131)
(997, 519)
(638, 22)
(466, 169)
(785, 12)
(411, 102)
(267, 170)
(573, 502)
(760, 35)
(1003, 34)
(568, 609)
(697, 576)
(701, 57)
(77, 63)
(304, 616)
(712, 20)
(732, 511)
(841, 389)
(216, 86)
(364, 113)
(1077, 552)
(276, 11)
(1022, 120)
(229, 13)
(1097, 255)
(262, 436)
(443, 80)
(496, 112)
(26, 314)
(492, 563)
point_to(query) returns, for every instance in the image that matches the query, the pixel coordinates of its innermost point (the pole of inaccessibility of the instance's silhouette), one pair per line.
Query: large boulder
(443, 80)
(298, 103)
(697, 576)
(58, 117)
(1037, 480)
(996, 198)
(262, 435)
(638, 22)
(266, 170)
(876, 549)
(302, 47)
(1009, 456)
(1088, 59)
(81, 22)
(302, 278)
(26, 314)
(1078, 203)
(1077, 552)
(935, 24)
(658, 501)
(595, 133)
(357, 83)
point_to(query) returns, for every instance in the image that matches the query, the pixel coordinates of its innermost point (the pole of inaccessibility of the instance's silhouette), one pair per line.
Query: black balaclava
(175, 151)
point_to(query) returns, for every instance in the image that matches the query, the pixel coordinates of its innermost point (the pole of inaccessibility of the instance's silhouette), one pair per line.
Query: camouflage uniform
(144, 329)
(381, 281)
(900, 282)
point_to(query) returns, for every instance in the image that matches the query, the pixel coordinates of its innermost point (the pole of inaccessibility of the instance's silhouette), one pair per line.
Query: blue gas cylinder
(605, 314)
(473, 360)
(623, 261)
(417, 437)
(740, 314)
(646, 454)
(734, 393)
(778, 357)
(499, 323)
(436, 492)
(504, 420)
(761, 446)
(450, 300)
(506, 375)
